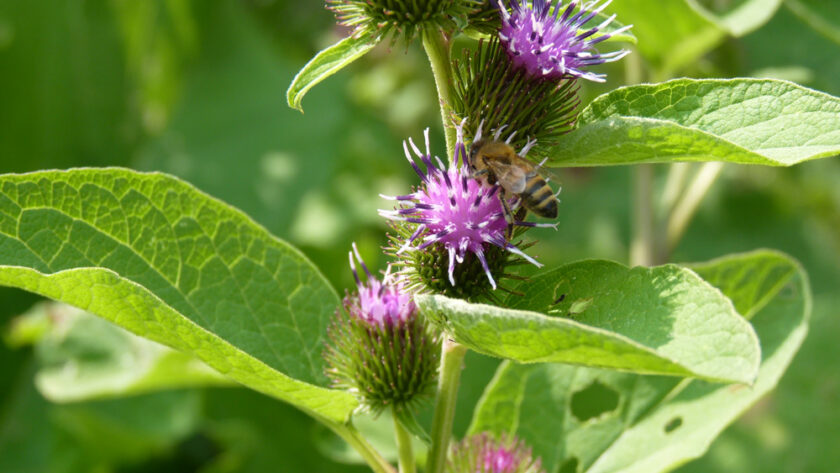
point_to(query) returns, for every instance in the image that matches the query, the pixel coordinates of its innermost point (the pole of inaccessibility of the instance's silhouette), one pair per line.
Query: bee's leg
(508, 213)
(479, 173)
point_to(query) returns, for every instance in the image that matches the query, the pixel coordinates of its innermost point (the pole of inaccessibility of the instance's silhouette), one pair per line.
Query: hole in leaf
(593, 401)
(673, 424)
(569, 466)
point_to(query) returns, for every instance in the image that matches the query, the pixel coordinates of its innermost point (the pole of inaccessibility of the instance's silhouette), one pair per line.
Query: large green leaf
(739, 17)
(163, 260)
(748, 121)
(85, 357)
(663, 320)
(603, 420)
(823, 16)
(326, 63)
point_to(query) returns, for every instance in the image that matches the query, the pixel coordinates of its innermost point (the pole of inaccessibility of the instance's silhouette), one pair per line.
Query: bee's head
(474, 148)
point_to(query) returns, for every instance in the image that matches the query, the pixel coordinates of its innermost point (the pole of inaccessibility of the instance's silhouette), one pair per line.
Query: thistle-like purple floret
(378, 302)
(546, 42)
(452, 208)
(498, 459)
(483, 453)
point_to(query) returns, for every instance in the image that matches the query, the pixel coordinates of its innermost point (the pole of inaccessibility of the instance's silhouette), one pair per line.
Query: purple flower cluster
(453, 209)
(380, 303)
(548, 44)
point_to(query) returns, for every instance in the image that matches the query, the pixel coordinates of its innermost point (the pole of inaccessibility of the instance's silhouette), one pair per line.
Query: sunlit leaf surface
(746, 121)
(662, 320)
(165, 261)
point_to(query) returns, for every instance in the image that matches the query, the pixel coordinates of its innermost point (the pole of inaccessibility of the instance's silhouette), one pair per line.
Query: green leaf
(84, 357)
(747, 121)
(741, 17)
(164, 261)
(326, 63)
(663, 320)
(821, 15)
(601, 420)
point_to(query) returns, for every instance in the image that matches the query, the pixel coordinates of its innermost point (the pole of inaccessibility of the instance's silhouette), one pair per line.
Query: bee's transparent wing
(550, 173)
(512, 178)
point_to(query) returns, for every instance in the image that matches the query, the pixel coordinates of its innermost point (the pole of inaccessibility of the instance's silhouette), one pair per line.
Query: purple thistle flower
(548, 45)
(453, 209)
(380, 303)
(484, 454)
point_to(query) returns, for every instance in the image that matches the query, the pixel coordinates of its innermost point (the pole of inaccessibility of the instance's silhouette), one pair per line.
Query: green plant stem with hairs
(406, 454)
(438, 48)
(451, 363)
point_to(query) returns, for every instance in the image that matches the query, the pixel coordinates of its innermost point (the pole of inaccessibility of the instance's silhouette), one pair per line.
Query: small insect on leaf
(579, 306)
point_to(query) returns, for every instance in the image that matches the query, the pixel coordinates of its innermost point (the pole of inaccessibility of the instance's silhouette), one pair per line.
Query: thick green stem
(643, 246)
(451, 362)
(406, 454)
(366, 450)
(438, 47)
(685, 208)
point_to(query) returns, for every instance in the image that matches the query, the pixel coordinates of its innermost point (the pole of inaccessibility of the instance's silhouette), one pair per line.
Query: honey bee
(497, 163)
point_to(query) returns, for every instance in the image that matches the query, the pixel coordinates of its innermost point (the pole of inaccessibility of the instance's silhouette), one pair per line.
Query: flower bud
(381, 350)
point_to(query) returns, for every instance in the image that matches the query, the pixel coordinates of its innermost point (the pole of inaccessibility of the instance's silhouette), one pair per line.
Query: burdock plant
(604, 367)
(457, 237)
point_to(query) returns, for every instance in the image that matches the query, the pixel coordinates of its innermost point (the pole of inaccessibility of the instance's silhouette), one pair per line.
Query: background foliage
(197, 89)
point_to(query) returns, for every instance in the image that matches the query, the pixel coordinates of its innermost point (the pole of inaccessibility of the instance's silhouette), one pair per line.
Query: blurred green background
(197, 89)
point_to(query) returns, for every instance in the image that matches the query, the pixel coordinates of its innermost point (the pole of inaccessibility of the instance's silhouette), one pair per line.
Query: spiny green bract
(401, 18)
(488, 89)
(428, 270)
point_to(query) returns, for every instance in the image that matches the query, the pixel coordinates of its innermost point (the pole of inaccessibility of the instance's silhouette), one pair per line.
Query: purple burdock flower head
(548, 43)
(451, 223)
(483, 453)
(380, 348)
(378, 302)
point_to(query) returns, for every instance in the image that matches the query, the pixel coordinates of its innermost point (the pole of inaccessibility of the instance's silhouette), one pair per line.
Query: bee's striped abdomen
(539, 198)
